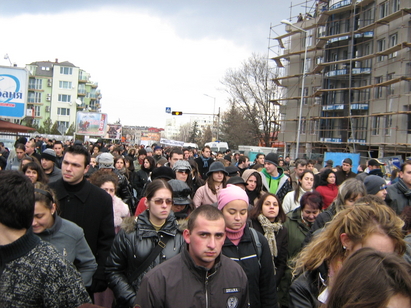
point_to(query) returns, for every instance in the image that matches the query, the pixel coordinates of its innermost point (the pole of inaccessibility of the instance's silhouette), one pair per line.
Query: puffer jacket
(132, 245)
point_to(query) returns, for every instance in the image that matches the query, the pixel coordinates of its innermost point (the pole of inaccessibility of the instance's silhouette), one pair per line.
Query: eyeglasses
(161, 201)
(382, 187)
(183, 171)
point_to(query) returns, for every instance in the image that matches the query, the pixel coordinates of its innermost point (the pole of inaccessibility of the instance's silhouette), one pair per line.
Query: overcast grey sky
(146, 55)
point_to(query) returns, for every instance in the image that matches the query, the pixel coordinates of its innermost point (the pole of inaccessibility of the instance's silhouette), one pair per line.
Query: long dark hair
(258, 209)
(211, 185)
(152, 164)
(324, 176)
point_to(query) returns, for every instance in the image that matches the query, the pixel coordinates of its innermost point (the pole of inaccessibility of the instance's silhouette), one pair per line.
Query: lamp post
(286, 22)
(213, 112)
(6, 57)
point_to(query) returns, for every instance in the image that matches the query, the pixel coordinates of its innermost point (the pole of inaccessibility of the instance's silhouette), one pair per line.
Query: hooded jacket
(132, 245)
(284, 185)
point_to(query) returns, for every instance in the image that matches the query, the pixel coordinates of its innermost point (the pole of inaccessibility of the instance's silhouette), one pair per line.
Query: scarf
(205, 161)
(403, 188)
(235, 235)
(270, 228)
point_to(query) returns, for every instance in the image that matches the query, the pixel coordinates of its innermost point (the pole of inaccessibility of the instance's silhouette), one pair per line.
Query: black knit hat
(271, 158)
(163, 173)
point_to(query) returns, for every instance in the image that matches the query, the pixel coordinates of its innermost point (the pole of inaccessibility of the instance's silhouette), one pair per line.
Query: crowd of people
(112, 225)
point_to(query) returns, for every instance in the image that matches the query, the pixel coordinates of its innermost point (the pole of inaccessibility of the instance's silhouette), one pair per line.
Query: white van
(217, 146)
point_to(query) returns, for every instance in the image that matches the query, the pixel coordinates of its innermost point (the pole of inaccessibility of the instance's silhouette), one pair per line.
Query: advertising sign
(113, 131)
(13, 92)
(91, 123)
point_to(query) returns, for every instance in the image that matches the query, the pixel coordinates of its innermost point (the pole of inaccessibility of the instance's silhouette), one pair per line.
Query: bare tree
(236, 128)
(184, 133)
(207, 135)
(251, 89)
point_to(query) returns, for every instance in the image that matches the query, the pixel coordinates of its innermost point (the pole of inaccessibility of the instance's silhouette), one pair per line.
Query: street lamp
(6, 57)
(286, 22)
(213, 110)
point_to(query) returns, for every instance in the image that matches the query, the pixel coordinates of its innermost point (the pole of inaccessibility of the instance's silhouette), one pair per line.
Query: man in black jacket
(204, 161)
(88, 206)
(204, 277)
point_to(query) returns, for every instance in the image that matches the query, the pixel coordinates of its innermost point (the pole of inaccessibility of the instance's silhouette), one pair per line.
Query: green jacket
(297, 231)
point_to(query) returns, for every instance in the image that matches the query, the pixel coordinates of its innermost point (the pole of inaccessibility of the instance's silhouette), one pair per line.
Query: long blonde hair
(358, 223)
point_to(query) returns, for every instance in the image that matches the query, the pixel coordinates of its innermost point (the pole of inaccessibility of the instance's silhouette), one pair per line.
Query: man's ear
(186, 235)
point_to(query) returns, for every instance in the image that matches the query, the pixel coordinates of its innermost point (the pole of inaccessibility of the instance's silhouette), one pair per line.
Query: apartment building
(57, 90)
(356, 74)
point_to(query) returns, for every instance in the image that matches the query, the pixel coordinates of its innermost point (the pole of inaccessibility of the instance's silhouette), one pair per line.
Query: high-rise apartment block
(357, 78)
(57, 90)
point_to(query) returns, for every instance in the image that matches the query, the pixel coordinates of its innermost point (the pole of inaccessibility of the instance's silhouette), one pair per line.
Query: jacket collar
(199, 271)
(144, 227)
(82, 194)
(18, 248)
(55, 228)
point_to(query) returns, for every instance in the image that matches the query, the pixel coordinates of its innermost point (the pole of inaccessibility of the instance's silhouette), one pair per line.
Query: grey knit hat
(374, 183)
(105, 160)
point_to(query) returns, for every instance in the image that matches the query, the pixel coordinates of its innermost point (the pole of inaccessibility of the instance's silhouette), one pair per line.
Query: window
(395, 6)
(64, 123)
(36, 110)
(390, 88)
(384, 9)
(305, 95)
(282, 121)
(34, 97)
(66, 70)
(387, 125)
(45, 68)
(36, 122)
(378, 89)
(393, 42)
(380, 47)
(309, 37)
(82, 88)
(35, 84)
(319, 60)
(64, 98)
(303, 125)
(376, 121)
(313, 127)
(63, 111)
(65, 84)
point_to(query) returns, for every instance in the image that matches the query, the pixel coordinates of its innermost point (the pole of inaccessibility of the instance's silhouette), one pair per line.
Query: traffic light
(177, 113)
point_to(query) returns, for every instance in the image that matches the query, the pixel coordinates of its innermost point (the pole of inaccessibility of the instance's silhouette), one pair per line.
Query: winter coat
(289, 204)
(305, 290)
(261, 280)
(281, 239)
(341, 176)
(329, 192)
(141, 178)
(396, 199)
(91, 208)
(120, 211)
(297, 231)
(179, 282)
(132, 245)
(204, 195)
(69, 240)
(201, 169)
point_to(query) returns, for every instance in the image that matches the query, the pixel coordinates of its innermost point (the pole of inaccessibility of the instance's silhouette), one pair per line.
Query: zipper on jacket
(206, 290)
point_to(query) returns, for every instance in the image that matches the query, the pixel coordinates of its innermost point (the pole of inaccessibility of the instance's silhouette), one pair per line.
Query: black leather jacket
(131, 247)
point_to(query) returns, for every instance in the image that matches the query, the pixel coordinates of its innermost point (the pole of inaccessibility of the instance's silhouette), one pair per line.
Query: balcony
(333, 107)
(82, 78)
(339, 4)
(81, 92)
(359, 106)
(345, 71)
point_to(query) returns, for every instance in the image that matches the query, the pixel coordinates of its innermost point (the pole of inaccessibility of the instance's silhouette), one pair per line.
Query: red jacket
(329, 192)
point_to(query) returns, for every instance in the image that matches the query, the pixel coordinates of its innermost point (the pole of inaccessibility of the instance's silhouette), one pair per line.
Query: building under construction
(348, 65)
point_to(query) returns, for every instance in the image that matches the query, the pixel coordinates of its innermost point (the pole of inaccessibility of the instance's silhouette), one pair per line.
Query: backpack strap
(257, 244)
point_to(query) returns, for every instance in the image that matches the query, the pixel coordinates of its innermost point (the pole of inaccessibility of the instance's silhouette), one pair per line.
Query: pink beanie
(229, 194)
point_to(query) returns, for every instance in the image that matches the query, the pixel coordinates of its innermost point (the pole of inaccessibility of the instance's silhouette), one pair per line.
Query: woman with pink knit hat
(247, 247)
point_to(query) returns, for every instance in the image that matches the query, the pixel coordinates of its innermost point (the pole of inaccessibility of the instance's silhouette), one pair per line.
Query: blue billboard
(13, 92)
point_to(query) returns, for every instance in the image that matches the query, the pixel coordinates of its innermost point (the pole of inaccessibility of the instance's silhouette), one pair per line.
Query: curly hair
(358, 222)
(100, 177)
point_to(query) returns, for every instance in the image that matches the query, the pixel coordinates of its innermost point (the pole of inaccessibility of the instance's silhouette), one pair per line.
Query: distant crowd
(115, 225)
